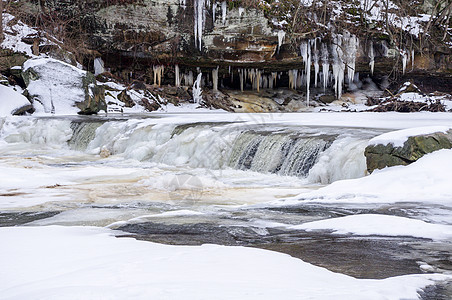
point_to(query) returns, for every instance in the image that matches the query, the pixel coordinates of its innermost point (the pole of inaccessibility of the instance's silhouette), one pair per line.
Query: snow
(10, 101)
(14, 34)
(399, 137)
(426, 181)
(384, 225)
(58, 86)
(90, 263)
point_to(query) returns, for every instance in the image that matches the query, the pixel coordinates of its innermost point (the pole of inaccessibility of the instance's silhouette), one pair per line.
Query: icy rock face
(59, 88)
(380, 156)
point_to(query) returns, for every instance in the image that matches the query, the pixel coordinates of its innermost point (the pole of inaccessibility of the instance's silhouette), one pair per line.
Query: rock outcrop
(380, 156)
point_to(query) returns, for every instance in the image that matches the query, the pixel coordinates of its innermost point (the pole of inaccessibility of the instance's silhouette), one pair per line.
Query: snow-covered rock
(60, 88)
(403, 147)
(12, 102)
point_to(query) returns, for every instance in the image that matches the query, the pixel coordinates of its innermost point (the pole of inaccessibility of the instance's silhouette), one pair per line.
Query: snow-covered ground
(90, 263)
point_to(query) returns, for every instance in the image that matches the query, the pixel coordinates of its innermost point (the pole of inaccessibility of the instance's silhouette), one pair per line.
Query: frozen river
(292, 183)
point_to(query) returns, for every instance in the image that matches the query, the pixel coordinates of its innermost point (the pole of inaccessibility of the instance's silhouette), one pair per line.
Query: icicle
(258, 79)
(215, 79)
(308, 73)
(197, 91)
(158, 74)
(412, 59)
(350, 44)
(274, 78)
(214, 9)
(241, 10)
(372, 58)
(188, 78)
(300, 80)
(98, 66)
(177, 75)
(338, 66)
(199, 21)
(281, 35)
(223, 11)
(316, 68)
(304, 51)
(404, 55)
(241, 79)
(229, 70)
(325, 66)
(293, 79)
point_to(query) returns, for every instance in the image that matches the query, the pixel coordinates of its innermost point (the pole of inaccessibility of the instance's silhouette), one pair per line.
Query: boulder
(380, 156)
(12, 102)
(57, 87)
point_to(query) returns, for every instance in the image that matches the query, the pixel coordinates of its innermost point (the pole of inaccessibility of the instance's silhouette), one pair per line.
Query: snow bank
(426, 180)
(399, 137)
(89, 263)
(369, 224)
(10, 101)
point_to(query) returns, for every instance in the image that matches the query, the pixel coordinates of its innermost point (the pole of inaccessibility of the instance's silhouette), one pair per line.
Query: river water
(208, 179)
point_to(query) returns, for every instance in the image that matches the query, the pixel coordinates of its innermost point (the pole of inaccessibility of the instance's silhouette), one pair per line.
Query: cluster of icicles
(199, 7)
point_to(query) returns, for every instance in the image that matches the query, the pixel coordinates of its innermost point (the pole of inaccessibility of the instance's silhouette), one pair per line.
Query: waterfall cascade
(319, 155)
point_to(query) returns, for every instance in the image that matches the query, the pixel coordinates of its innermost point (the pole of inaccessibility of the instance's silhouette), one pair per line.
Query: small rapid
(320, 155)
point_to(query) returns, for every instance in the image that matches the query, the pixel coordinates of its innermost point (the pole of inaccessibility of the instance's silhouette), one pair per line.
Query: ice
(197, 91)
(199, 15)
(370, 224)
(325, 65)
(177, 75)
(405, 57)
(98, 66)
(372, 58)
(223, 12)
(158, 74)
(215, 78)
(10, 101)
(281, 35)
(399, 137)
(90, 263)
(214, 10)
(344, 159)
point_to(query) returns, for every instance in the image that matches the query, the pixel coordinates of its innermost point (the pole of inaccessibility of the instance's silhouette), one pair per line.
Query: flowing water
(204, 182)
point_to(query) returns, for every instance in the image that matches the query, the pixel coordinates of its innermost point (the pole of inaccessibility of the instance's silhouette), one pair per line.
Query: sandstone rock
(381, 156)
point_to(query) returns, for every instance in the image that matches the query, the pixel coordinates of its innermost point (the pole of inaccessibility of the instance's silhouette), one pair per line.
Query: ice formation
(199, 21)
(197, 91)
(98, 66)
(223, 12)
(281, 35)
(372, 58)
(177, 75)
(215, 78)
(214, 9)
(158, 74)
(405, 56)
(325, 65)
